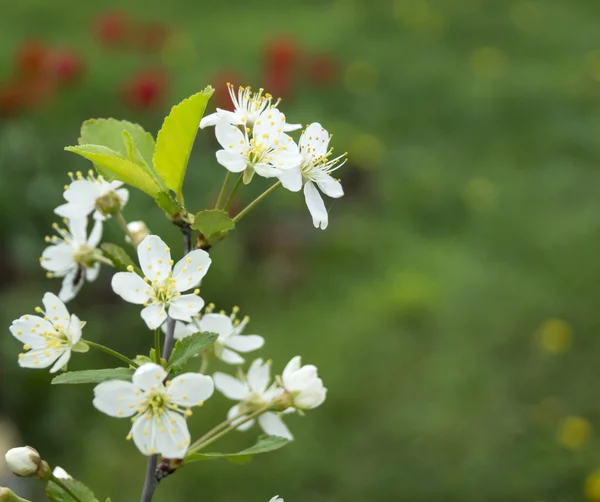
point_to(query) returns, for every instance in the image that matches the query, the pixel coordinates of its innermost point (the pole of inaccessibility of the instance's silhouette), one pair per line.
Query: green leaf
(176, 138)
(109, 133)
(119, 166)
(166, 202)
(212, 222)
(188, 347)
(57, 494)
(119, 257)
(93, 376)
(263, 445)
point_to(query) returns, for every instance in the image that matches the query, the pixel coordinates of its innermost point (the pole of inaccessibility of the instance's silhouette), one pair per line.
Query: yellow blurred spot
(593, 64)
(574, 432)
(480, 193)
(546, 412)
(361, 77)
(555, 336)
(367, 151)
(592, 486)
(489, 62)
(418, 14)
(526, 15)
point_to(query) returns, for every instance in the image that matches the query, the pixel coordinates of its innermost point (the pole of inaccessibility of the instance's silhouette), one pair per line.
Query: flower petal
(154, 315)
(155, 258)
(143, 432)
(185, 307)
(172, 435)
(71, 210)
(82, 192)
(71, 285)
(268, 127)
(28, 330)
(314, 141)
(209, 120)
(131, 287)
(117, 398)
(266, 170)
(245, 343)
(96, 234)
(182, 330)
(331, 187)
(91, 273)
(315, 206)
(291, 367)
(216, 323)
(230, 357)
(230, 137)
(291, 127)
(123, 194)
(191, 389)
(234, 162)
(78, 228)
(259, 375)
(55, 309)
(40, 358)
(73, 331)
(291, 179)
(230, 387)
(234, 411)
(149, 376)
(190, 270)
(62, 361)
(58, 258)
(274, 426)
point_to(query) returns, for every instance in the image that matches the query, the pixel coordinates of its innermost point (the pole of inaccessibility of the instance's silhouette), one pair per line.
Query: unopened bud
(23, 461)
(138, 231)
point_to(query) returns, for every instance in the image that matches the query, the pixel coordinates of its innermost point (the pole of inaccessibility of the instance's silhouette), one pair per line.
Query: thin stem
(105, 260)
(216, 429)
(157, 344)
(237, 185)
(64, 486)
(112, 352)
(204, 365)
(123, 224)
(150, 481)
(223, 190)
(197, 446)
(250, 206)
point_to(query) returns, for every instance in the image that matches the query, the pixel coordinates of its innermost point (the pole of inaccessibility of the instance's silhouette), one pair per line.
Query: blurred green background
(452, 304)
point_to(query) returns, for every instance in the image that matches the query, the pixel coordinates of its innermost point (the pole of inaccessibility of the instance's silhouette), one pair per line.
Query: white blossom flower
(23, 461)
(302, 385)
(50, 339)
(276, 498)
(158, 409)
(229, 328)
(253, 393)
(315, 167)
(264, 148)
(91, 194)
(247, 106)
(59, 472)
(73, 255)
(163, 285)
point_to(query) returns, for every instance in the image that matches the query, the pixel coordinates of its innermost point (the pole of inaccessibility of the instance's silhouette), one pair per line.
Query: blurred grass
(471, 219)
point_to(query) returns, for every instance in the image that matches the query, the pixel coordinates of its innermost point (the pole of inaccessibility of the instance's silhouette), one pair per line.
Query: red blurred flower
(11, 99)
(67, 66)
(31, 58)
(145, 89)
(280, 65)
(112, 29)
(322, 69)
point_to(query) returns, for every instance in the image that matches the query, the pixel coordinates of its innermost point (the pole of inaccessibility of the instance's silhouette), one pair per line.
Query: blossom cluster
(254, 140)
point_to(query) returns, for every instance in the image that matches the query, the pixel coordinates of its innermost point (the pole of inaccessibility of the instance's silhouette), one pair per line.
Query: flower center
(84, 255)
(163, 292)
(109, 203)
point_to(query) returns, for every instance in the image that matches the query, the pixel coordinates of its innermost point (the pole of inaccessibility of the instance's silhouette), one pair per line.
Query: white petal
(245, 343)
(61, 361)
(95, 234)
(291, 127)
(70, 288)
(266, 170)
(82, 192)
(143, 432)
(155, 258)
(314, 140)
(40, 358)
(73, 331)
(234, 162)
(59, 472)
(154, 315)
(131, 287)
(230, 117)
(28, 330)
(78, 227)
(311, 397)
(182, 330)
(315, 206)
(291, 179)
(259, 375)
(184, 307)
(209, 120)
(331, 187)
(58, 258)
(117, 398)
(191, 389)
(123, 194)
(246, 425)
(230, 387)
(230, 357)
(268, 127)
(216, 323)
(55, 309)
(71, 210)
(230, 137)
(291, 367)
(190, 270)
(91, 273)
(273, 425)
(172, 435)
(301, 378)
(149, 376)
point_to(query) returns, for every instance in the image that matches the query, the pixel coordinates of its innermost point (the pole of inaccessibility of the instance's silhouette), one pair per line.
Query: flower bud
(303, 385)
(109, 203)
(23, 461)
(138, 231)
